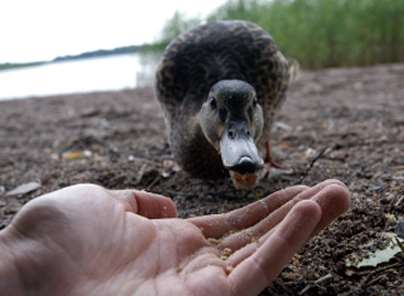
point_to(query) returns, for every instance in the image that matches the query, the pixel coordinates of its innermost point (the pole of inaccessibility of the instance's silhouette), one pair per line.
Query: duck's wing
(196, 60)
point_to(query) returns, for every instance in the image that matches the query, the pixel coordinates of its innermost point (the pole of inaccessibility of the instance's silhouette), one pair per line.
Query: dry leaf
(76, 154)
(378, 256)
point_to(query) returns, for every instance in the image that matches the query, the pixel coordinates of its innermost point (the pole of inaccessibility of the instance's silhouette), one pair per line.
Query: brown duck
(220, 86)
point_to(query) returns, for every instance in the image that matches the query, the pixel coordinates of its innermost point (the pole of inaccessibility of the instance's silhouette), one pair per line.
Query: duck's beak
(240, 154)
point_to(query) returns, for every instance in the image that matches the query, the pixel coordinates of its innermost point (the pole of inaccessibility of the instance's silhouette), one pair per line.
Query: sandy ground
(342, 123)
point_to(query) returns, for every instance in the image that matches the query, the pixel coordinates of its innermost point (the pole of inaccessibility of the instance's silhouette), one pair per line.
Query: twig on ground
(369, 274)
(375, 280)
(384, 268)
(176, 193)
(313, 161)
(154, 182)
(324, 278)
(315, 283)
(140, 174)
(399, 201)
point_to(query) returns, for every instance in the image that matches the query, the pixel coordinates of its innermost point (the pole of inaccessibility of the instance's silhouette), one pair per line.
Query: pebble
(310, 152)
(24, 189)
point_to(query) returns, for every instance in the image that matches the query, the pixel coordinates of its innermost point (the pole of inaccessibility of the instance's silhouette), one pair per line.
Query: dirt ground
(337, 123)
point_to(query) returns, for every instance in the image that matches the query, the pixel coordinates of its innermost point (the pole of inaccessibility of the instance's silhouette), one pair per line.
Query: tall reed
(327, 33)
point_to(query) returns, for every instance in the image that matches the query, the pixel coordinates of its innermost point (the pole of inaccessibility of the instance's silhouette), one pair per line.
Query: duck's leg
(270, 162)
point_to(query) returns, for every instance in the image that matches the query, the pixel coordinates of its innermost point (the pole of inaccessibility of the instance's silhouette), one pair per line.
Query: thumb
(149, 205)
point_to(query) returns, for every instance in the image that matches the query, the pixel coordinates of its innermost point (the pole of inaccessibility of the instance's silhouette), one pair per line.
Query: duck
(220, 86)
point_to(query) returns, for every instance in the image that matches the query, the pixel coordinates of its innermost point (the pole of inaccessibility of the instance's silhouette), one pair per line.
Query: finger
(256, 272)
(146, 204)
(334, 199)
(237, 240)
(240, 255)
(215, 226)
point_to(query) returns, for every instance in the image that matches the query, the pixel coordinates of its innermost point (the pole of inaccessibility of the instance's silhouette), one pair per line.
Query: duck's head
(232, 121)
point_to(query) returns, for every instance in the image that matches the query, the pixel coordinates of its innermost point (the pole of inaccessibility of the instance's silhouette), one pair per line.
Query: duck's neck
(193, 152)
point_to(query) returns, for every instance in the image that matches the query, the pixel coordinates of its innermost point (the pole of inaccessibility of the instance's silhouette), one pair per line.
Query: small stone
(165, 174)
(169, 167)
(24, 189)
(54, 156)
(310, 152)
(87, 153)
(279, 125)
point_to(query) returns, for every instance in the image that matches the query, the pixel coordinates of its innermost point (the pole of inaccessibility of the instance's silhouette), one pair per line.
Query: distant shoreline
(10, 66)
(90, 54)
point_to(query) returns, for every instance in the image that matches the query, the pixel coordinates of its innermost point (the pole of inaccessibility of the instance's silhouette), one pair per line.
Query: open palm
(86, 240)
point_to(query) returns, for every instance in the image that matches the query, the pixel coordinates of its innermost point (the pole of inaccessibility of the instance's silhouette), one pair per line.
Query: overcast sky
(33, 30)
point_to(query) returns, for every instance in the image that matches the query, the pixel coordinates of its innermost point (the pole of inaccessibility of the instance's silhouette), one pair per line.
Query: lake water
(94, 74)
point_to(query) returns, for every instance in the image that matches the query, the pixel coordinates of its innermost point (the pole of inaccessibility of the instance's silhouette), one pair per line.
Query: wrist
(10, 280)
(30, 265)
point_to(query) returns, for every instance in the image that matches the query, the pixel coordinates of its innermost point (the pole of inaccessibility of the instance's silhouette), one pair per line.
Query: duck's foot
(272, 167)
(269, 161)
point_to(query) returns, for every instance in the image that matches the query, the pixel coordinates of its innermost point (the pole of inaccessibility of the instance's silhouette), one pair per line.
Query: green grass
(326, 33)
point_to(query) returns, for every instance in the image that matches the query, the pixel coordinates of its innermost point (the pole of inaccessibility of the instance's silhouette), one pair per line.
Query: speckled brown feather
(196, 60)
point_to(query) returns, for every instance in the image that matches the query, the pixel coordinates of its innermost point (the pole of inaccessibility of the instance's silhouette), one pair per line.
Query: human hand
(86, 240)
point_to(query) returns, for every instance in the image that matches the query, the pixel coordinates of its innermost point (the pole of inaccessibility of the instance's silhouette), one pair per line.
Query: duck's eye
(213, 103)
